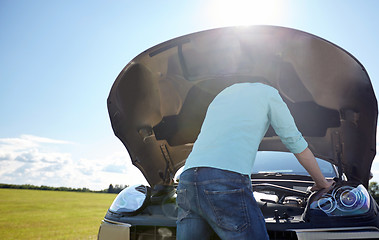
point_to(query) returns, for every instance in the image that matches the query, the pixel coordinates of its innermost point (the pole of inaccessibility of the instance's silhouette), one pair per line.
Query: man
(215, 191)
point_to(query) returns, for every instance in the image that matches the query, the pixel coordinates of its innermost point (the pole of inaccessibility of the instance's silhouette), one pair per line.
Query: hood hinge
(167, 176)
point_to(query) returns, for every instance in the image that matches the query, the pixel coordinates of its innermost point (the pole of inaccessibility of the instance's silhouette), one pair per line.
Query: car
(158, 102)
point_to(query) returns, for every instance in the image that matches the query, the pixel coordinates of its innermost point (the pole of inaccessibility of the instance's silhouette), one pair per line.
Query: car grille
(282, 235)
(152, 233)
(169, 233)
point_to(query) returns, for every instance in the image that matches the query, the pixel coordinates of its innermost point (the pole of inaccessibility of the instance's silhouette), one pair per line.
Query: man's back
(236, 121)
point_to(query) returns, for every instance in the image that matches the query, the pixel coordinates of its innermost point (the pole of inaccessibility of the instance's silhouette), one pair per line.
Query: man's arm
(285, 127)
(308, 161)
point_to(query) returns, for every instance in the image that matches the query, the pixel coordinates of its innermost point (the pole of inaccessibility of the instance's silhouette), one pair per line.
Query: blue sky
(59, 59)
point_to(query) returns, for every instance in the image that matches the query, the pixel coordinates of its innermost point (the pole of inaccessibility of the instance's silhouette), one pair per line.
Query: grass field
(35, 214)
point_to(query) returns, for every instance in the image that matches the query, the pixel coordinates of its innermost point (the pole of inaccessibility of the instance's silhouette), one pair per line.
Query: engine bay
(281, 199)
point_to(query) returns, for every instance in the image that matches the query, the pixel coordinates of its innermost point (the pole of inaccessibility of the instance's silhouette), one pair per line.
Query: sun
(245, 12)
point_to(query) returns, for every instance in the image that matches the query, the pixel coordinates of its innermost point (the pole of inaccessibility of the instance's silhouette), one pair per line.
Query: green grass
(35, 214)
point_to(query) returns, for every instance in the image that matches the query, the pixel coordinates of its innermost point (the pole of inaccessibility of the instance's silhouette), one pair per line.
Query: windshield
(286, 163)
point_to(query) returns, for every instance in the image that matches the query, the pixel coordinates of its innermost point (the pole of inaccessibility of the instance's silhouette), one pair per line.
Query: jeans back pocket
(228, 208)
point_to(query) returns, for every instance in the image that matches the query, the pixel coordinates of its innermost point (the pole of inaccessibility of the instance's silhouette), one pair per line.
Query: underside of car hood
(158, 102)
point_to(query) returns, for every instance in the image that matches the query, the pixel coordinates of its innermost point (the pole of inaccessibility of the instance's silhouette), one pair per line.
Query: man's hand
(326, 185)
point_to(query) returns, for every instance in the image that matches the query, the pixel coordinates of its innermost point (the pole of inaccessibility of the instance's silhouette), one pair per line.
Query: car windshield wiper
(270, 174)
(281, 175)
(284, 190)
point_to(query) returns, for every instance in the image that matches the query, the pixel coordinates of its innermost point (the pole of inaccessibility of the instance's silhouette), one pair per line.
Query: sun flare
(245, 12)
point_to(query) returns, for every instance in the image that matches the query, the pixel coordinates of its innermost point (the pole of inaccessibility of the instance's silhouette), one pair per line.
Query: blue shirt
(235, 124)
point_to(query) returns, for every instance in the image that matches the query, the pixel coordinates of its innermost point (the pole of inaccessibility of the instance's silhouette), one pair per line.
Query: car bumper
(110, 230)
(338, 233)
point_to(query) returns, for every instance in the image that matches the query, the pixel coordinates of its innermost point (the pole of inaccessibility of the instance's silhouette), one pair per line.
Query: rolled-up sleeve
(284, 125)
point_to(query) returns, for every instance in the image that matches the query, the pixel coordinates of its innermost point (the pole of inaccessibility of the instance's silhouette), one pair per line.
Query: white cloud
(36, 160)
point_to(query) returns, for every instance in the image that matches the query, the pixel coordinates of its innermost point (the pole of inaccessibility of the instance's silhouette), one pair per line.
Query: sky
(59, 59)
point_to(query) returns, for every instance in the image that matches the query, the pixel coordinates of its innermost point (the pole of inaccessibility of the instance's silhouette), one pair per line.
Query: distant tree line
(373, 189)
(111, 189)
(116, 188)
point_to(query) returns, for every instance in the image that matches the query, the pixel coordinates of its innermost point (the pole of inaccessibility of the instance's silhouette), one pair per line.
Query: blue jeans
(222, 201)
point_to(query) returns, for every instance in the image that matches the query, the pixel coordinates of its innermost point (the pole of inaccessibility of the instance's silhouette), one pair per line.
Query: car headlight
(343, 201)
(131, 200)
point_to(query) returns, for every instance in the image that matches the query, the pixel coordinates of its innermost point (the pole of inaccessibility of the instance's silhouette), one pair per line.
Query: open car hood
(158, 102)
